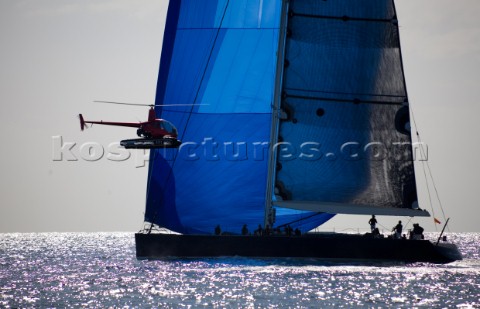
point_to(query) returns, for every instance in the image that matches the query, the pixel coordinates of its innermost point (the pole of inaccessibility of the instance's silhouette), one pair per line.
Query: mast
(272, 157)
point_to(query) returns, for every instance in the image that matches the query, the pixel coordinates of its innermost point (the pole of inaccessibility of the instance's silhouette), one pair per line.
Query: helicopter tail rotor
(82, 122)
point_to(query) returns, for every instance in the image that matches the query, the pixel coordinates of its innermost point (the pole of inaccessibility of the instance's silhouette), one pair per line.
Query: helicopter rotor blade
(151, 105)
(123, 103)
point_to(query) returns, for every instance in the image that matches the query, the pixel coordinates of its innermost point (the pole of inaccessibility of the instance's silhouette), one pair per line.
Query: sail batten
(344, 18)
(353, 101)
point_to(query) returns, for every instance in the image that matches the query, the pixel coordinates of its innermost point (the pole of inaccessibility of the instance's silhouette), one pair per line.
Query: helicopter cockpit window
(169, 127)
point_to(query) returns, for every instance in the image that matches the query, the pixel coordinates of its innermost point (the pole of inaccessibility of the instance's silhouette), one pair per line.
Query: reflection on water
(100, 270)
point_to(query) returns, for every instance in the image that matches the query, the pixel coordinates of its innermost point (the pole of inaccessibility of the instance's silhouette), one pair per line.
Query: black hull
(340, 247)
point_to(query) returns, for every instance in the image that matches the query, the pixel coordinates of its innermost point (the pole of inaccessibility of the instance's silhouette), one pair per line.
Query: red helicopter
(157, 133)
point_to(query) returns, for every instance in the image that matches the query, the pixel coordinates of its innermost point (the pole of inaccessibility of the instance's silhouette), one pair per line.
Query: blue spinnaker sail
(322, 79)
(221, 54)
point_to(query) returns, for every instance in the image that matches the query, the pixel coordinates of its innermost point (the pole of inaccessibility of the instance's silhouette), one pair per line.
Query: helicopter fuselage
(154, 128)
(159, 128)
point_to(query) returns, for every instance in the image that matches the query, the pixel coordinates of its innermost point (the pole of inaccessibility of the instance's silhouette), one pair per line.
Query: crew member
(259, 231)
(288, 230)
(218, 230)
(398, 230)
(267, 231)
(373, 223)
(417, 232)
(298, 232)
(244, 230)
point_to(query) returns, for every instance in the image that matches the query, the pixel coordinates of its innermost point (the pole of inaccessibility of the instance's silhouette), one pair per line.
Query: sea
(99, 270)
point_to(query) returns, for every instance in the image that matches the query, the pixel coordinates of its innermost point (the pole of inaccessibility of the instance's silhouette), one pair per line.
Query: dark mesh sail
(345, 107)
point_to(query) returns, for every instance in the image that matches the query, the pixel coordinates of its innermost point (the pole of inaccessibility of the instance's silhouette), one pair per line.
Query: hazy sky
(57, 56)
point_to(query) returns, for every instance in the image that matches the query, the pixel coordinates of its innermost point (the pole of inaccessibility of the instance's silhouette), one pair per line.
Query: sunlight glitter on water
(100, 270)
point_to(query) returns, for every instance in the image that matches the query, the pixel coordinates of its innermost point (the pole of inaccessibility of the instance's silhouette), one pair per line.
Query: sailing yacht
(290, 112)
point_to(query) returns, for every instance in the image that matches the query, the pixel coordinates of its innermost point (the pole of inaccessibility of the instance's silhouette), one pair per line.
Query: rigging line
(436, 192)
(205, 70)
(425, 163)
(428, 190)
(354, 101)
(198, 89)
(433, 180)
(301, 219)
(383, 226)
(153, 154)
(345, 17)
(408, 222)
(424, 154)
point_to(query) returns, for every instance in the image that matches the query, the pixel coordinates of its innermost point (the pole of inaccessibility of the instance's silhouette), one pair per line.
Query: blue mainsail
(314, 76)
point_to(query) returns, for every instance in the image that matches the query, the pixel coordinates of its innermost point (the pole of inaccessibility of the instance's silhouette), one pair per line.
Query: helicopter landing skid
(149, 143)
